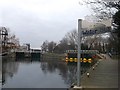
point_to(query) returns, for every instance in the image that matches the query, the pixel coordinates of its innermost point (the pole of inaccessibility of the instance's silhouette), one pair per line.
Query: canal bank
(104, 76)
(52, 56)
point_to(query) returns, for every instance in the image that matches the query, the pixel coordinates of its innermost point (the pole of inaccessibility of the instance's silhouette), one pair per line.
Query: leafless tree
(72, 37)
(103, 9)
(51, 46)
(44, 46)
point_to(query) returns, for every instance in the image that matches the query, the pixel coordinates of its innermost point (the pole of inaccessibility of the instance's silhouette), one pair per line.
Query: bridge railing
(83, 51)
(87, 56)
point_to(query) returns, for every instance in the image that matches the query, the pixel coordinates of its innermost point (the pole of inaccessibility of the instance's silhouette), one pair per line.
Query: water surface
(37, 74)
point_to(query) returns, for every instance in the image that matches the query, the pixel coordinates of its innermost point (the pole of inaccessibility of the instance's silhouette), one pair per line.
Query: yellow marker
(84, 60)
(75, 59)
(80, 59)
(71, 59)
(66, 62)
(66, 59)
(89, 60)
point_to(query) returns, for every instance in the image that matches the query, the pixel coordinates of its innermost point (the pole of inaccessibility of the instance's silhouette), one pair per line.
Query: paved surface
(105, 75)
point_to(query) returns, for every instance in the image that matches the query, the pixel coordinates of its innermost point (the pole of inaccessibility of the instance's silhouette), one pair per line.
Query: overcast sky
(34, 21)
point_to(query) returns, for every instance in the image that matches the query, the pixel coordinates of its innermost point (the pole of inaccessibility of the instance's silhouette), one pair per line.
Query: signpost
(96, 31)
(79, 53)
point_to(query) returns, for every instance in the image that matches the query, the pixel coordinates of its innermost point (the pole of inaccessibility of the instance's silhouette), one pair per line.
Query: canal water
(27, 73)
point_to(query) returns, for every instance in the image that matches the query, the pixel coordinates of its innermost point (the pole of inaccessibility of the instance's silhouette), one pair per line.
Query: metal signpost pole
(79, 52)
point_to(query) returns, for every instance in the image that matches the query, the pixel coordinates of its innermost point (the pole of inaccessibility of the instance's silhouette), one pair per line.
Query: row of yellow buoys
(84, 60)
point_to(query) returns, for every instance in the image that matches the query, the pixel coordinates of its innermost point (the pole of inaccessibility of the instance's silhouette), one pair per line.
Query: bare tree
(103, 9)
(63, 45)
(44, 46)
(9, 41)
(13, 39)
(72, 38)
(51, 46)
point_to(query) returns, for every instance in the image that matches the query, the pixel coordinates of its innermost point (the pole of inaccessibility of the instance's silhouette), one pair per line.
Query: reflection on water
(37, 74)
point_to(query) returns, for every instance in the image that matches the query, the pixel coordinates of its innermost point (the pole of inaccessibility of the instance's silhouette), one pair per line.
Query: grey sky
(34, 21)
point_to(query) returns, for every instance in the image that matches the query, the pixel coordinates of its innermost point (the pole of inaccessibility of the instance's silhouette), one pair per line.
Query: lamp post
(79, 52)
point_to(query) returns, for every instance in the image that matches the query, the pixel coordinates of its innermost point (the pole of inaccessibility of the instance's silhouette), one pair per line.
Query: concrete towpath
(105, 75)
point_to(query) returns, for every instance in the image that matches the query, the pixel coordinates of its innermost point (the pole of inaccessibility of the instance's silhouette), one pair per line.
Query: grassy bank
(52, 56)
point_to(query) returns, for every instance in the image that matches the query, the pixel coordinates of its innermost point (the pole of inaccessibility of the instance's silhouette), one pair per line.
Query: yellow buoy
(75, 59)
(89, 60)
(84, 60)
(66, 59)
(71, 59)
(80, 59)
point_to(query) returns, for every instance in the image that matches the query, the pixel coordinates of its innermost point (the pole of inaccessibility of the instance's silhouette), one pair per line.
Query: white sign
(97, 31)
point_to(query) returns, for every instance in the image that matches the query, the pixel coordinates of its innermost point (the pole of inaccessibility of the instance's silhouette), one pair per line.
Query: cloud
(35, 21)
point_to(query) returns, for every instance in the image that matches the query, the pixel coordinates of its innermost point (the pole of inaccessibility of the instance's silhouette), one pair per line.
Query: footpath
(104, 75)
